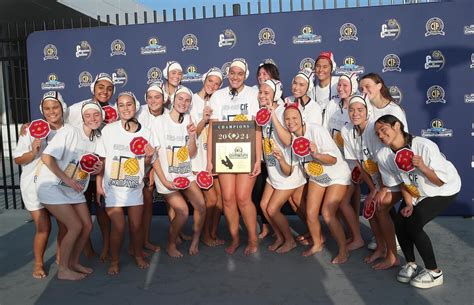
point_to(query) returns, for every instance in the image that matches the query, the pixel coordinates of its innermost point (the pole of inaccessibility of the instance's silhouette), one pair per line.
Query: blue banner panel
(424, 52)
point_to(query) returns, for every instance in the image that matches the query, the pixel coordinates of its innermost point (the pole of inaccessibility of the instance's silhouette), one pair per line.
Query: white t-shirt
(415, 181)
(30, 171)
(322, 95)
(391, 108)
(67, 147)
(173, 152)
(145, 117)
(123, 171)
(276, 178)
(199, 162)
(311, 112)
(325, 175)
(336, 117)
(226, 108)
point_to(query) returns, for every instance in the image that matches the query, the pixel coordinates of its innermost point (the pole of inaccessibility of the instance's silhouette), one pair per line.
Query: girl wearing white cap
(125, 147)
(176, 133)
(361, 145)
(173, 73)
(61, 183)
(427, 190)
(27, 154)
(237, 102)
(201, 113)
(326, 85)
(285, 179)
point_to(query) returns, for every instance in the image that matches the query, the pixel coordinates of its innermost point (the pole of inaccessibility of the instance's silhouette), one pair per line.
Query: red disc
(181, 182)
(111, 114)
(137, 146)
(39, 129)
(369, 210)
(263, 117)
(87, 162)
(204, 180)
(403, 159)
(300, 146)
(356, 176)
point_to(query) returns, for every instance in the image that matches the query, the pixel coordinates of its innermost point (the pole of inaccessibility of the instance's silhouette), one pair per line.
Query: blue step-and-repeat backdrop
(424, 52)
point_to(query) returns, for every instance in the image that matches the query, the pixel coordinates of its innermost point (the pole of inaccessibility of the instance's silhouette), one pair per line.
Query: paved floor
(213, 277)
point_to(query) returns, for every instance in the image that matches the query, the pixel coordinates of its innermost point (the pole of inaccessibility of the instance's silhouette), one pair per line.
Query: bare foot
(173, 251)
(232, 247)
(209, 241)
(314, 249)
(276, 244)
(304, 239)
(114, 268)
(286, 247)
(141, 262)
(252, 247)
(82, 269)
(265, 231)
(341, 258)
(355, 244)
(38, 271)
(179, 240)
(104, 256)
(374, 256)
(89, 253)
(386, 263)
(194, 248)
(152, 247)
(218, 241)
(70, 275)
(132, 253)
(185, 237)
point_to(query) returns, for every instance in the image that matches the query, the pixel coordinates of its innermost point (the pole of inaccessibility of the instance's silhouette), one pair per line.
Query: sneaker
(427, 279)
(372, 245)
(407, 272)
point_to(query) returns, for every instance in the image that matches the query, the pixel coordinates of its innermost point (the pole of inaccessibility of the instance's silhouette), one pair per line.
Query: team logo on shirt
(396, 94)
(153, 47)
(125, 172)
(83, 49)
(469, 98)
(52, 83)
(154, 75)
(227, 39)
(348, 31)
(435, 94)
(50, 52)
(391, 28)
(307, 36)
(266, 36)
(74, 171)
(190, 42)
(191, 75)
(469, 29)
(316, 171)
(120, 77)
(437, 130)
(307, 63)
(85, 79)
(391, 62)
(225, 69)
(117, 47)
(178, 159)
(434, 60)
(434, 26)
(349, 66)
(472, 61)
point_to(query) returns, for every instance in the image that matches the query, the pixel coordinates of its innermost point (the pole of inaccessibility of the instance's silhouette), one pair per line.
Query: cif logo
(191, 75)
(190, 42)
(434, 26)
(469, 98)
(472, 61)
(435, 60)
(391, 62)
(349, 66)
(225, 69)
(469, 29)
(227, 39)
(348, 31)
(52, 83)
(153, 47)
(391, 28)
(50, 52)
(117, 47)
(154, 75)
(437, 130)
(307, 63)
(85, 79)
(307, 36)
(266, 36)
(435, 94)
(83, 49)
(396, 94)
(119, 77)
(268, 61)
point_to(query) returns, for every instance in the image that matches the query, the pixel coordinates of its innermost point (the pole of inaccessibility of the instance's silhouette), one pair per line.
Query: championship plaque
(233, 147)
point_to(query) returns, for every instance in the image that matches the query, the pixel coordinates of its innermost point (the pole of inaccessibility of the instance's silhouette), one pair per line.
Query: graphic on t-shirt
(37, 170)
(316, 171)
(370, 167)
(267, 146)
(124, 172)
(412, 189)
(178, 159)
(182, 154)
(237, 118)
(337, 137)
(74, 171)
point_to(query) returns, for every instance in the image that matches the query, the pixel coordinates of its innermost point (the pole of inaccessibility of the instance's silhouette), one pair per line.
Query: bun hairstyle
(392, 120)
(378, 80)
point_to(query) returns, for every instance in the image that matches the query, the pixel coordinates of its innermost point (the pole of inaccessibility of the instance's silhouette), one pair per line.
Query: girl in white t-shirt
(124, 152)
(27, 154)
(237, 102)
(201, 113)
(61, 183)
(285, 179)
(176, 133)
(325, 88)
(173, 74)
(427, 190)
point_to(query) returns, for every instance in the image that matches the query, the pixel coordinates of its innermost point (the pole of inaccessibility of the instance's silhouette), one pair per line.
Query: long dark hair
(378, 80)
(391, 120)
(271, 69)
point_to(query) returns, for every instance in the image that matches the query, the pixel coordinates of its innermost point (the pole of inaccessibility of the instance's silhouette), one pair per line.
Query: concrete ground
(212, 277)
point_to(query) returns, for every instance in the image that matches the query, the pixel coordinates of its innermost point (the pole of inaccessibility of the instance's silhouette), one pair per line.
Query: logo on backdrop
(435, 94)
(117, 47)
(53, 83)
(191, 75)
(348, 31)
(154, 75)
(120, 77)
(472, 61)
(390, 29)
(266, 36)
(437, 130)
(190, 42)
(50, 52)
(307, 36)
(227, 39)
(434, 60)
(307, 63)
(225, 69)
(268, 61)
(153, 47)
(434, 26)
(83, 49)
(85, 79)
(349, 66)
(469, 98)
(469, 29)
(391, 62)
(396, 94)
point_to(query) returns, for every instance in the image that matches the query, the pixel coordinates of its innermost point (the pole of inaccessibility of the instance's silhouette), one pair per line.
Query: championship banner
(424, 52)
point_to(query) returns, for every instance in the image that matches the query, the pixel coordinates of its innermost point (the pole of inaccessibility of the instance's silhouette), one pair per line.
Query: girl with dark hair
(325, 88)
(428, 188)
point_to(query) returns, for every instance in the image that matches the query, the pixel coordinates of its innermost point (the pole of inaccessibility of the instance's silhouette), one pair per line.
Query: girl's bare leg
(135, 216)
(279, 238)
(210, 196)
(194, 195)
(43, 229)
(277, 200)
(216, 217)
(117, 220)
(352, 220)
(243, 192)
(314, 200)
(181, 213)
(231, 212)
(146, 219)
(82, 212)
